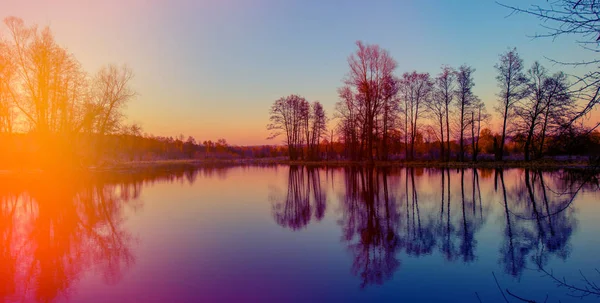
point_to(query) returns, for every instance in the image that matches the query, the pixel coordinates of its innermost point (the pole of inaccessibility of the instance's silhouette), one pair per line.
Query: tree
(347, 111)
(559, 105)
(531, 109)
(512, 83)
(439, 107)
(370, 68)
(577, 18)
(49, 90)
(111, 93)
(464, 99)
(478, 115)
(7, 76)
(415, 90)
(318, 128)
(389, 113)
(190, 147)
(445, 82)
(288, 114)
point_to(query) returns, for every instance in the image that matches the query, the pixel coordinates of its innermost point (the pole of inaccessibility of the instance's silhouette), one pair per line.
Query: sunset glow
(210, 68)
(299, 151)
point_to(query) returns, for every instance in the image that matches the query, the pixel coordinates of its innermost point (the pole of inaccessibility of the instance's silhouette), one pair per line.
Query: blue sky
(211, 69)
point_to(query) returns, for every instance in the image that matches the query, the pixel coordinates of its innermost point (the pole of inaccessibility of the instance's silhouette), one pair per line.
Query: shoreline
(184, 164)
(173, 164)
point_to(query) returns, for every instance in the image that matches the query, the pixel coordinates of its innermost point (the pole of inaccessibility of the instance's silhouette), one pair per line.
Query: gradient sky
(212, 68)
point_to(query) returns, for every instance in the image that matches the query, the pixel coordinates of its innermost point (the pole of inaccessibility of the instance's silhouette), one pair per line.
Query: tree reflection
(384, 215)
(304, 196)
(53, 229)
(539, 223)
(418, 235)
(385, 212)
(370, 221)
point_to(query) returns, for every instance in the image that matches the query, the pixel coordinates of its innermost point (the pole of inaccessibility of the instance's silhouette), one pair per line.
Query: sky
(212, 68)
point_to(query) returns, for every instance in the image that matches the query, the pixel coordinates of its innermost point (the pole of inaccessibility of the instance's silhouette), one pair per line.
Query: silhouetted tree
(363, 94)
(415, 91)
(478, 115)
(443, 94)
(288, 117)
(578, 18)
(512, 83)
(464, 100)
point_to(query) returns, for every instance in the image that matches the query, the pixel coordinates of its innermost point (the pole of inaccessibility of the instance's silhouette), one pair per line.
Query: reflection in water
(51, 232)
(370, 224)
(377, 227)
(53, 229)
(539, 222)
(383, 215)
(304, 196)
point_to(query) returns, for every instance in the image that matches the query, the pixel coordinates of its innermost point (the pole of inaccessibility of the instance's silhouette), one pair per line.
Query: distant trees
(302, 123)
(512, 83)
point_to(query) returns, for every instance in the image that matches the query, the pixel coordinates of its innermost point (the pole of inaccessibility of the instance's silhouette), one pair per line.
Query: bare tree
(439, 107)
(111, 93)
(50, 87)
(415, 91)
(578, 18)
(370, 68)
(512, 83)
(443, 96)
(318, 128)
(348, 113)
(478, 115)
(288, 117)
(530, 111)
(464, 99)
(7, 76)
(389, 113)
(559, 105)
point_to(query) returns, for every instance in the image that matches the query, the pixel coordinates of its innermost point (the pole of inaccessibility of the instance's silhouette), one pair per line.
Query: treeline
(382, 116)
(20, 151)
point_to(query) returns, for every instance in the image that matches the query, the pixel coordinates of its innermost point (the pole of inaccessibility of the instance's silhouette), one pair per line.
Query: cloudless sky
(212, 68)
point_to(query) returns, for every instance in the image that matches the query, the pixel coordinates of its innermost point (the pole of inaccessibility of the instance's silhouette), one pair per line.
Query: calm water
(298, 234)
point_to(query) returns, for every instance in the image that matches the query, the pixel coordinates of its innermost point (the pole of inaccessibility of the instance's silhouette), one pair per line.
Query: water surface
(298, 234)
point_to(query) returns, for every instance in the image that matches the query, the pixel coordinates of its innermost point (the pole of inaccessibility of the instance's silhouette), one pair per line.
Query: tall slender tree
(442, 98)
(464, 100)
(513, 84)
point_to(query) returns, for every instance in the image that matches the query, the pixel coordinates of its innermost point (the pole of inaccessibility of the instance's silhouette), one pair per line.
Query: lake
(299, 234)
